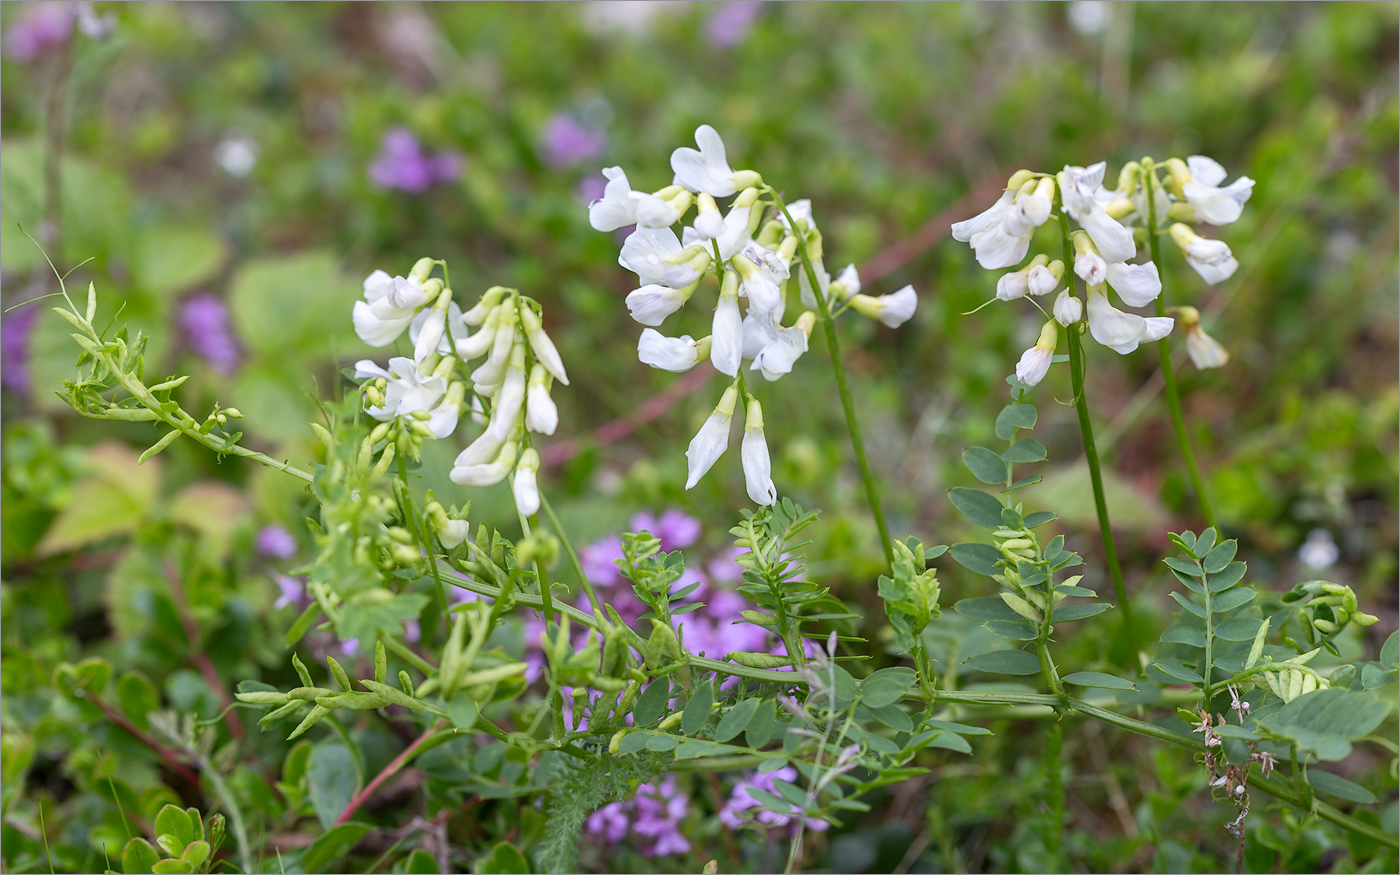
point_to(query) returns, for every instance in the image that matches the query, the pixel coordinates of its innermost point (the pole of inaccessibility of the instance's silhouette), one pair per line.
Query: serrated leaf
(1098, 679)
(1015, 662)
(985, 465)
(980, 507)
(1025, 451)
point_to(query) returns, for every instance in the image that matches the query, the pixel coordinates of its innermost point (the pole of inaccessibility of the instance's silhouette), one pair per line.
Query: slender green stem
(571, 553)
(1164, 352)
(420, 534)
(1054, 796)
(872, 492)
(402, 650)
(1091, 455)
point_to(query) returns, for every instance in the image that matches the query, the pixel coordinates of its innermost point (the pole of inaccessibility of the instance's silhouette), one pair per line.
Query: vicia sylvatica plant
(625, 687)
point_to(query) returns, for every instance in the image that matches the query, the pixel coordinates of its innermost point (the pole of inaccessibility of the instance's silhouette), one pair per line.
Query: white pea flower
(782, 350)
(727, 332)
(846, 284)
(493, 370)
(893, 309)
(646, 252)
(1016, 284)
(490, 299)
(422, 348)
(543, 348)
(987, 235)
(1204, 350)
(389, 306)
(620, 206)
(709, 221)
(1137, 284)
(1320, 551)
(651, 304)
(481, 451)
(1119, 331)
(1215, 205)
(1035, 362)
(686, 267)
(1090, 267)
(801, 212)
(708, 169)
(759, 329)
(758, 286)
(511, 397)
(524, 486)
(675, 354)
(735, 236)
(758, 467)
(1068, 309)
(1045, 278)
(1209, 258)
(408, 390)
(541, 413)
(453, 532)
(713, 438)
(488, 473)
(1077, 188)
(482, 342)
(805, 287)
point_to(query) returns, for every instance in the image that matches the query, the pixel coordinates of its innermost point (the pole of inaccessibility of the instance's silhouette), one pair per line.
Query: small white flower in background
(1090, 17)
(893, 309)
(1204, 350)
(713, 438)
(1035, 362)
(727, 332)
(708, 169)
(1215, 205)
(237, 155)
(1068, 309)
(676, 354)
(1319, 551)
(758, 467)
(524, 486)
(1119, 331)
(801, 212)
(1209, 258)
(541, 413)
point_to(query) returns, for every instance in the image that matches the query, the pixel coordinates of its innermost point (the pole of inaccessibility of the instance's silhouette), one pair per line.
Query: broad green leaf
(1173, 668)
(505, 859)
(1203, 544)
(662, 743)
(1039, 518)
(1189, 604)
(174, 822)
(1014, 630)
(760, 728)
(981, 558)
(333, 845)
(736, 719)
(1336, 785)
(167, 259)
(980, 507)
(138, 697)
(1014, 416)
(139, 856)
(1220, 556)
(1018, 662)
(985, 465)
(1228, 577)
(1238, 629)
(1180, 633)
(1025, 450)
(986, 608)
(1390, 652)
(1231, 599)
(113, 499)
(893, 717)
(697, 710)
(1069, 613)
(420, 862)
(886, 686)
(1327, 721)
(652, 702)
(1185, 566)
(1098, 679)
(332, 780)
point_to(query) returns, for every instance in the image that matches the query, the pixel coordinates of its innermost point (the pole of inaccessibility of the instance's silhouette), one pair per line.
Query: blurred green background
(234, 170)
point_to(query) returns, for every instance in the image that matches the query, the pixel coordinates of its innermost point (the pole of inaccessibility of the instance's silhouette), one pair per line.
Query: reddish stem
(388, 772)
(201, 659)
(120, 720)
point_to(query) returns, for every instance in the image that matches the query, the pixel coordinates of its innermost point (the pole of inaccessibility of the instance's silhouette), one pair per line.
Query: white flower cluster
(753, 251)
(511, 388)
(1104, 248)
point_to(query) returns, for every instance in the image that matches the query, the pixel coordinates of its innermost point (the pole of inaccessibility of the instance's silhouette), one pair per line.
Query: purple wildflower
(43, 27)
(412, 630)
(293, 591)
(675, 528)
(568, 143)
(656, 813)
(403, 165)
(598, 560)
(740, 801)
(350, 646)
(205, 323)
(731, 22)
(15, 330)
(277, 542)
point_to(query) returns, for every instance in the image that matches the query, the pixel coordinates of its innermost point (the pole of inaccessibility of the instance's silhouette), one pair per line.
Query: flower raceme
(423, 397)
(753, 249)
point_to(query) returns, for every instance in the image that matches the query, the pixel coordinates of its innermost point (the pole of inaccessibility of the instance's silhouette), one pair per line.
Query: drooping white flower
(727, 332)
(481, 451)
(1204, 350)
(432, 331)
(1090, 267)
(776, 357)
(713, 438)
(1119, 331)
(986, 234)
(651, 304)
(620, 206)
(486, 474)
(675, 354)
(805, 287)
(1016, 284)
(646, 251)
(846, 284)
(735, 236)
(893, 309)
(1211, 259)
(1068, 309)
(1137, 284)
(709, 221)
(524, 486)
(541, 413)
(408, 390)
(801, 212)
(687, 266)
(389, 305)
(511, 397)
(1035, 362)
(761, 271)
(490, 299)
(453, 532)
(452, 317)
(1077, 188)
(493, 370)
(1215, 205)
(1045, 278)
(708, 169)
(543, 348)
(482, 342)
(758, 467)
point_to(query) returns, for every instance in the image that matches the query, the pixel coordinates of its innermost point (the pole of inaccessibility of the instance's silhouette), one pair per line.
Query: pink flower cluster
(655, 813)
